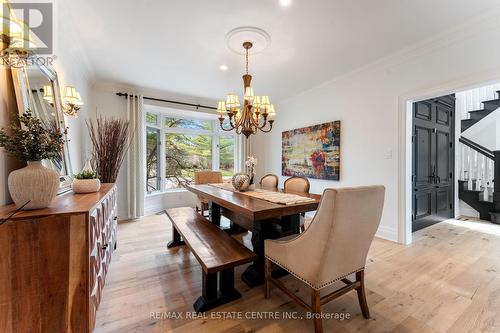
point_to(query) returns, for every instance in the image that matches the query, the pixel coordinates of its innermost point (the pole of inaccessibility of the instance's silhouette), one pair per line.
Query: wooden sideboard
(53, 262)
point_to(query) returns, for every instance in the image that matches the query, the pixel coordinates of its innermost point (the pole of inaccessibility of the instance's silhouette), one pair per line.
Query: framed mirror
(37, 88)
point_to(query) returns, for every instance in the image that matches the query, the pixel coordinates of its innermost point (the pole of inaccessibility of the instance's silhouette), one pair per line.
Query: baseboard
(387, 233)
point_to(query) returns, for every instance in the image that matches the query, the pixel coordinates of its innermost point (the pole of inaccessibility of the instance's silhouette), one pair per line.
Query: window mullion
(215, 148)
(163, 156)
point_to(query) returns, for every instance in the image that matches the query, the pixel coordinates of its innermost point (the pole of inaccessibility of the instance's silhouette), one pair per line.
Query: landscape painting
(312, 152)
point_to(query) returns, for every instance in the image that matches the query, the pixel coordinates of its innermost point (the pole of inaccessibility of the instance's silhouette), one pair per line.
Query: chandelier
(256, 113)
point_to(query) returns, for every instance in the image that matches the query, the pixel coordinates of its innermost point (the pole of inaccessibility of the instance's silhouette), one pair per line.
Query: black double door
(433, 161)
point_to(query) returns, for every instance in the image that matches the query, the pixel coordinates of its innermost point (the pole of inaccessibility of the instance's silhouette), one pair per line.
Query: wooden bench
(216, 251)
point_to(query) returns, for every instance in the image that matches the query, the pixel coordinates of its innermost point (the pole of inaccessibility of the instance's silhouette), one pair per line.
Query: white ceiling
(179, 45)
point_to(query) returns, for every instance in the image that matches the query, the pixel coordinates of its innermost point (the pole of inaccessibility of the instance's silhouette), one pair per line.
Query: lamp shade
(256, 102)
(9, 24)
(71, 96)
(271, 111)
(16, 30)
(232, 101)
(248, 94)
(221, 107)
(48, 93)
(265, 101)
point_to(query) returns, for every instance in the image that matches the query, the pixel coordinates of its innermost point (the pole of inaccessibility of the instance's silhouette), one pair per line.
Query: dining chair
(205, 177)
(297, 184)
(300, 185)
(269, 180)
(338, 239)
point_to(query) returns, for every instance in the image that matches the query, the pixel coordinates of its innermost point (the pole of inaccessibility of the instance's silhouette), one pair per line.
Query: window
(178, 146)
(152, 159)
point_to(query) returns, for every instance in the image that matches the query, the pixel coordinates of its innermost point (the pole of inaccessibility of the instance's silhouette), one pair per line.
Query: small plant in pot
(33, 186)
(86, 182)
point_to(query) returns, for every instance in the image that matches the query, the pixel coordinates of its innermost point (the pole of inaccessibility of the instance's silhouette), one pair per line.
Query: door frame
(405, 152)
(453, 140)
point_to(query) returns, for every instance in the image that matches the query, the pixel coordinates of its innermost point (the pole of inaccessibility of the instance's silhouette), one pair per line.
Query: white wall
(367, 102)
(8, 109)
(72, 68)
(107, 104)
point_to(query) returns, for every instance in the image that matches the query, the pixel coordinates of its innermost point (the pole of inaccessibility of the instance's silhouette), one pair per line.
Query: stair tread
(493, 101)
(487, 201)
(480, 111)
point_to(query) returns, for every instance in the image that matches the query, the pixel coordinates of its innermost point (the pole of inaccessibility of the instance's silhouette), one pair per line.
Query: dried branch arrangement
(110, 141)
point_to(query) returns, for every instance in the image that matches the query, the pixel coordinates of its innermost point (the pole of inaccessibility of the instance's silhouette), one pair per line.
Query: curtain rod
(197, 106)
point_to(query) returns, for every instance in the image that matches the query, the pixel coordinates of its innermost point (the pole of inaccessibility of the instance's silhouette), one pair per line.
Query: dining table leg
(254, 274)
(215, 213)
(290, 224)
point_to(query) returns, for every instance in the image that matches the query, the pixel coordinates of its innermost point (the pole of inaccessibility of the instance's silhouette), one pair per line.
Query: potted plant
(86, 182)
(33, 186)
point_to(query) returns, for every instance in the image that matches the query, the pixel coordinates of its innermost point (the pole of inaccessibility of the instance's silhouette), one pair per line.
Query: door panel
(443, 158)
(443, 115)
(423, 204)
(442, 203)
(423, 110)
(423, 138)
(433, 161)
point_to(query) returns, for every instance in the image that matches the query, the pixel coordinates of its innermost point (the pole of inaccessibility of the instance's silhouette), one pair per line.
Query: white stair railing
(478, 171)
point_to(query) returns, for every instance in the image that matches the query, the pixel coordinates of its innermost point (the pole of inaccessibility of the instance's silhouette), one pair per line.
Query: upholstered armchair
(338, 239)
(269, 180)
(205, 177)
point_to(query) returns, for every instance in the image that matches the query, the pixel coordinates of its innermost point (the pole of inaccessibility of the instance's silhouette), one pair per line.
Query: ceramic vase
(34, 183)
(241, 182)
(86, 185)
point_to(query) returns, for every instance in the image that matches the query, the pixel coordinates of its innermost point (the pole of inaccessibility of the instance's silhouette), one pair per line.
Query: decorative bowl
(241, 181)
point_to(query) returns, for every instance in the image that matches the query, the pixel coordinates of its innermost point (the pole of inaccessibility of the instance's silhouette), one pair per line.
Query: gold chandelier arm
(270, 127)
(230, 128)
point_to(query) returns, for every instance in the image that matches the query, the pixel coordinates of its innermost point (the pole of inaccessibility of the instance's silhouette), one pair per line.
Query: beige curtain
(136, 165)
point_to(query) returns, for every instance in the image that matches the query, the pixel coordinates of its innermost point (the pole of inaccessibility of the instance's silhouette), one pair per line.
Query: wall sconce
(15, 37)
(72, 101)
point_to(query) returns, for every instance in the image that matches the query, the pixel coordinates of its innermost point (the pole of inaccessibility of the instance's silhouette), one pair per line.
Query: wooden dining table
(255, 215)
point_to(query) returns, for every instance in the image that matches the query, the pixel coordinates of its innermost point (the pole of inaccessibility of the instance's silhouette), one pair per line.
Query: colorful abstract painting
(312, 152)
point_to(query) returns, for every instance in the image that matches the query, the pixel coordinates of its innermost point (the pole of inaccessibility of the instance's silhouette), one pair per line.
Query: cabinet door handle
(105, 246)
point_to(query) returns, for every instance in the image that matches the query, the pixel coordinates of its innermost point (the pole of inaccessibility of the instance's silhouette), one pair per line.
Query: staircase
(480, 194)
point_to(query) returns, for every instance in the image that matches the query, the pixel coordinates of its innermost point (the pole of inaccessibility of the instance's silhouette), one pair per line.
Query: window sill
(157, 193)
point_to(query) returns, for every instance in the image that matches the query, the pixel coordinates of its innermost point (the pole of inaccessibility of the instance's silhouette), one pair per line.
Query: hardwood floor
(448, 280)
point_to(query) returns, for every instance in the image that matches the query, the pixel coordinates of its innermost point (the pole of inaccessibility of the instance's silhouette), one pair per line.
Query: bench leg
(211, 297)
(176, 239)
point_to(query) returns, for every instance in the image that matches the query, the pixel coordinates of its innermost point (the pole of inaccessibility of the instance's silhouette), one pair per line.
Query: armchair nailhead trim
(309, 283)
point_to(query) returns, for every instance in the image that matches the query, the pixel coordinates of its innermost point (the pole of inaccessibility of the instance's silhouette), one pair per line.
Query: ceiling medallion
(259, 38)
(257, 112)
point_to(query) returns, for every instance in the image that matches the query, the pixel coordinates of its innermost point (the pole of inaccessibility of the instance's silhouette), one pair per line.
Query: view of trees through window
(189, 145)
